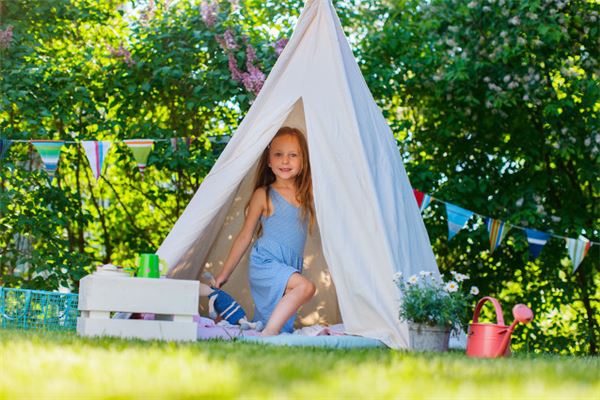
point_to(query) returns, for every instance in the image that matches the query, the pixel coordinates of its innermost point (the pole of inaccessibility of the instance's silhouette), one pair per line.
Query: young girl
(282, 206)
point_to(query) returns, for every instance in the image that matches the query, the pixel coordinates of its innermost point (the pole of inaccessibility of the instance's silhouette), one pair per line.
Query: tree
(495, 104)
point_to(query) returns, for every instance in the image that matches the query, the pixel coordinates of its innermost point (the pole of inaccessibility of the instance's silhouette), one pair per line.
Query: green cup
(150, 266)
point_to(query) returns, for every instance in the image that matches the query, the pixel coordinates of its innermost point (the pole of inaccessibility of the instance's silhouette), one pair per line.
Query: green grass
(51, 365)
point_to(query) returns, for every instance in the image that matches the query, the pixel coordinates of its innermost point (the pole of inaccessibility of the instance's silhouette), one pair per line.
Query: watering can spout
(522, 314)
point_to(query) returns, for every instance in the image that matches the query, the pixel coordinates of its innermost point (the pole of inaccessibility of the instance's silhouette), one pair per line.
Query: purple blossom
(208, 12)
(6, 37)
(236, 74)
(280, 45)
(250, 56)
(148, 13)
(123, 53)
(253, 80)
(229, 39)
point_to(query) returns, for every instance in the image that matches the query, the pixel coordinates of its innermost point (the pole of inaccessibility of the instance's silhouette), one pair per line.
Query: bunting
(457, 218)
(536, 240)
(4, 146)
(49, 150)
(178, 143)
(423, 199)
(96, 152)
(578, 249)
(141, 149)
(497, 230)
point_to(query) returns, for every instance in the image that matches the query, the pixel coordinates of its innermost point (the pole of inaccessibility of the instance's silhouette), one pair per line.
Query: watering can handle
(499, 316)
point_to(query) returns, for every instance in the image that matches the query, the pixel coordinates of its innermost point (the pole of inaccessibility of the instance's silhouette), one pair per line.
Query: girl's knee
(308, 288)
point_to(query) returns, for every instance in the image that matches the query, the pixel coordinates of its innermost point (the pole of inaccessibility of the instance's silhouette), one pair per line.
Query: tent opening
(210, 252)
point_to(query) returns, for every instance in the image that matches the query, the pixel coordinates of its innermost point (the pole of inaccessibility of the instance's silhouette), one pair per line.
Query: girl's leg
(297, 292)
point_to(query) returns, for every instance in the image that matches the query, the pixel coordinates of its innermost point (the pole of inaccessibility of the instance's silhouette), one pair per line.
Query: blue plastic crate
(38, 309)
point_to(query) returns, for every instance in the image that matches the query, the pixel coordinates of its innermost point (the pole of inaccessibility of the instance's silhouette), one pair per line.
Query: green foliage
(494, 105)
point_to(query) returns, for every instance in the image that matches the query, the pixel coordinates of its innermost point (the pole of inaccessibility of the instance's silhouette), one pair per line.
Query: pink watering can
(493, 340)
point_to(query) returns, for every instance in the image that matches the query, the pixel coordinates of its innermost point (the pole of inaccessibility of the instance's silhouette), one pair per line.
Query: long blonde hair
(303, 181)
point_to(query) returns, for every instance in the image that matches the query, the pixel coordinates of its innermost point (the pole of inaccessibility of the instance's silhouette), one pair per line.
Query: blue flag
(457, 218)
(536, 240)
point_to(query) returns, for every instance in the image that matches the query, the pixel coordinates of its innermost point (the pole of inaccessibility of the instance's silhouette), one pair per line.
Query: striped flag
(536, 240)
(578, 249)
(457, 218)
(178, 143)
(4, 146)
(423, 199)
(49, 150)
(141, 149)
(96, 153)
(497, 230)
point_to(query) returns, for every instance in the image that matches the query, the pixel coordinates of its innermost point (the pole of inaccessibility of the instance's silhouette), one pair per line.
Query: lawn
(51, 365)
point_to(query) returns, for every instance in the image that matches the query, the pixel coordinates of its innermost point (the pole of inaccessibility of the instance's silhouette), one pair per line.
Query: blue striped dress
(275, 256)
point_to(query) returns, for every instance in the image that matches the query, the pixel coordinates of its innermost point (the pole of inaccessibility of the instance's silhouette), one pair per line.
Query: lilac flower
(123, 53)
(208, 12)
(6, 37)
(254, 79)
(148, 13)
(250, 56)
(236, 74)
(280, 45)
(229, 40)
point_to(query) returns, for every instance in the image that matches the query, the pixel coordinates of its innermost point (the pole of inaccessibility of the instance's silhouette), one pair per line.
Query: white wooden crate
(174, 301)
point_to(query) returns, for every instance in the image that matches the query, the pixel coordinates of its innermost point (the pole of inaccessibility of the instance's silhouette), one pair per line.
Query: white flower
(514, 20)
(413, 280)
(486, 9)
(398, 277)
(474, 290)
(506, 78)
(472, 4)
(451, 287)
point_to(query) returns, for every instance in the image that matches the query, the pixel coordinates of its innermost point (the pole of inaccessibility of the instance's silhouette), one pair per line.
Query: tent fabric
(369, 224)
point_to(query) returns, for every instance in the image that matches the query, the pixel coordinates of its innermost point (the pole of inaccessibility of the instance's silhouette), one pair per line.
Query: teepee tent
(369, 224)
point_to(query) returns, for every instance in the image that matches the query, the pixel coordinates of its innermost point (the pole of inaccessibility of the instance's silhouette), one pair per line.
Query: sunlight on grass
(51, 365)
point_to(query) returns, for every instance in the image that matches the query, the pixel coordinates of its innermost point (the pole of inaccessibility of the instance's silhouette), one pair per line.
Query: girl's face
(285, 157)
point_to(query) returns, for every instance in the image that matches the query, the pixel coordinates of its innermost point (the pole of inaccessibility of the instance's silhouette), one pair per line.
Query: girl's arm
(242, 241)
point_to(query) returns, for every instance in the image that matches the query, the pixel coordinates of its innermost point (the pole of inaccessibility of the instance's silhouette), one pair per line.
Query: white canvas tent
(369, 225)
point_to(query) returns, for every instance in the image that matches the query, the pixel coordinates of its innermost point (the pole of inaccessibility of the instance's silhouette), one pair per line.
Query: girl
(282, 206)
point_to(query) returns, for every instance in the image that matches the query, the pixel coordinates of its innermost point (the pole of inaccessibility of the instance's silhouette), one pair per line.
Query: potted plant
(433, 308)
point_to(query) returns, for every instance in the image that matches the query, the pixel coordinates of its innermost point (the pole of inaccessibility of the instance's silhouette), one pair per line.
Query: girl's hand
(220, 281)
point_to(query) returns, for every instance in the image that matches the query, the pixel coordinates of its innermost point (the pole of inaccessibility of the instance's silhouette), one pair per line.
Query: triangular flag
(536, 240)
(423, 199)
(49, 150)
(457, 218)
(497, 230)
(141, 149)
(96, 153)
(177, 143)
(4, 146)
(578, 249)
